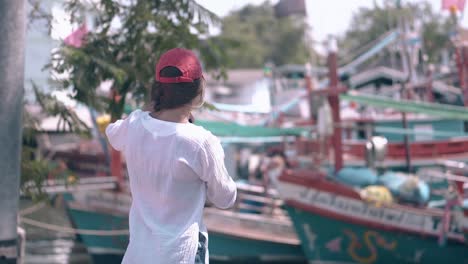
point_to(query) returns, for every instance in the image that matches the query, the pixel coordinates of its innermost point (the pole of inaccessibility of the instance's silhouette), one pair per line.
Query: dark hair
(173, 95)
(279, 152)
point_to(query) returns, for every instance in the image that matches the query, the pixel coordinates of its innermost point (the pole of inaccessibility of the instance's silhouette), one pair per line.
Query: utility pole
(12, 35)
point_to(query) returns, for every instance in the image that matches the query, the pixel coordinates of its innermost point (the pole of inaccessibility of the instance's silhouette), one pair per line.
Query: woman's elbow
(228, 200)
(232, 199)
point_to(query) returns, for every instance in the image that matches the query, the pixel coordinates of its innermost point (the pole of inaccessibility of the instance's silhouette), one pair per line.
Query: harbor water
(49, 247)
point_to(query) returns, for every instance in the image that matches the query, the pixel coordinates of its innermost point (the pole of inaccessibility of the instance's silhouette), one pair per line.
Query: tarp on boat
(226, 129)
(432, 109)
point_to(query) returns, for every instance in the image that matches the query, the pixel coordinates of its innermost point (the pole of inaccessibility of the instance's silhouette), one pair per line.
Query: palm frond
(204, 14)
(67, 117)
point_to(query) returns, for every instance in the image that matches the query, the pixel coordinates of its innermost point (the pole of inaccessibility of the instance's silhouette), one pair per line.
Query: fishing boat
(337, 224)
(430, 137)
(233, 235)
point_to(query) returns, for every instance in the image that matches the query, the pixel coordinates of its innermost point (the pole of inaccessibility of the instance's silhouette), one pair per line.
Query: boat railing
(454, 166)
(256, 200)
(454, 171)
(356, 148)
(82, 184)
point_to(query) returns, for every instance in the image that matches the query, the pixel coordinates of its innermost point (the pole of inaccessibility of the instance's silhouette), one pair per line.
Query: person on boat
(173, 166)
(272, 166)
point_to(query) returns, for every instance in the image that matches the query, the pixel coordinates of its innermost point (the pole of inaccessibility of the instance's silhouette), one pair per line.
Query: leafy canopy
(126, 39)
(260, 37)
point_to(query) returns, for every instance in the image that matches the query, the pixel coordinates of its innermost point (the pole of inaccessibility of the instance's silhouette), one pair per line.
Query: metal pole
(12, 34)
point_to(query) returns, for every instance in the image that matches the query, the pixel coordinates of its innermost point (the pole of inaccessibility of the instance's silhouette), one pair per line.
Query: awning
(431, 109)
(225, 129)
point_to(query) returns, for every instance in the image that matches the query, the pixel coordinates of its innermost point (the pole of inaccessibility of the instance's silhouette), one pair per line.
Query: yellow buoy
(377, 194)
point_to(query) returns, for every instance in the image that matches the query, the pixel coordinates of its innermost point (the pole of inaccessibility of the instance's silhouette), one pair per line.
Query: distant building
(39, 45)
(236, 89)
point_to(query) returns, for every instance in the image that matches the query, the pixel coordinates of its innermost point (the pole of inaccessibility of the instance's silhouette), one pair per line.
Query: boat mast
(404, 92)
(12, 30)
(334, 101)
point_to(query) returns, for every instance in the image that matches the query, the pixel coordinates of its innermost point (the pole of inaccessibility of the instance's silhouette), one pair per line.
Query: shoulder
(199, 136)
(135, 115)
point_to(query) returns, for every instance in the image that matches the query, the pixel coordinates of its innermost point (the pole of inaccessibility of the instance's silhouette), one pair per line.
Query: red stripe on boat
(363, 222)
(317, 181)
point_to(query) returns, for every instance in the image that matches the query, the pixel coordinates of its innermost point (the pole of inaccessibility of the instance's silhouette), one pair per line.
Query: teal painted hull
(325, 239)
(102, 248)
(236, 248)
(221, 247)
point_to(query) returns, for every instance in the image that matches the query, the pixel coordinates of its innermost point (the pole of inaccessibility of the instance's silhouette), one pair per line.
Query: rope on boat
(32, 209)
(62, 229)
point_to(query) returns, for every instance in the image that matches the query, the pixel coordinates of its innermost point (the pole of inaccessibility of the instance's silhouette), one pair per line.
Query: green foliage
(50, 106)
(34, 172)
(370, 23)
(127, 53)
(259, 37)
(34, 168)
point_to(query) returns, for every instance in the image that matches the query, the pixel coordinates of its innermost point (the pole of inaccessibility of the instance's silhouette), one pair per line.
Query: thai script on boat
(357, 209)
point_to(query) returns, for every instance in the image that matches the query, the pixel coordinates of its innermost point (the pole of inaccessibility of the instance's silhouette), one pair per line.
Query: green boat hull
(326, 240)
(110, 249)
(103, 249)
(236, 248)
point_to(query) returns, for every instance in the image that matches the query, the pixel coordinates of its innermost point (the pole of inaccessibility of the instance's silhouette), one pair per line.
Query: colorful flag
(76, 38)
(453, 4)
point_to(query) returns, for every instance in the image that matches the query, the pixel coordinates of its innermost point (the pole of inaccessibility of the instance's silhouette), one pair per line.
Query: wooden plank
(255, 189)
(250, 226)
(261, 199)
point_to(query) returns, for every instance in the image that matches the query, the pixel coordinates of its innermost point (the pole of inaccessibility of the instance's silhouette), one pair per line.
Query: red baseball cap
(184, 60)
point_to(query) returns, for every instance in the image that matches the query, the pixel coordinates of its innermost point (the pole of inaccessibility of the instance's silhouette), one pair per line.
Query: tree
(126, 39)
(126, 54)
(370, 23)
(260, 37)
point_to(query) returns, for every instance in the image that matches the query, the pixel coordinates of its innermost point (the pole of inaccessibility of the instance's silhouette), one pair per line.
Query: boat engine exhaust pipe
(376, 150)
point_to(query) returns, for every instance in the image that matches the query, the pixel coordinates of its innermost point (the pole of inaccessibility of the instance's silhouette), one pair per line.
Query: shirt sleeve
(221, 189)
(117, 132)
